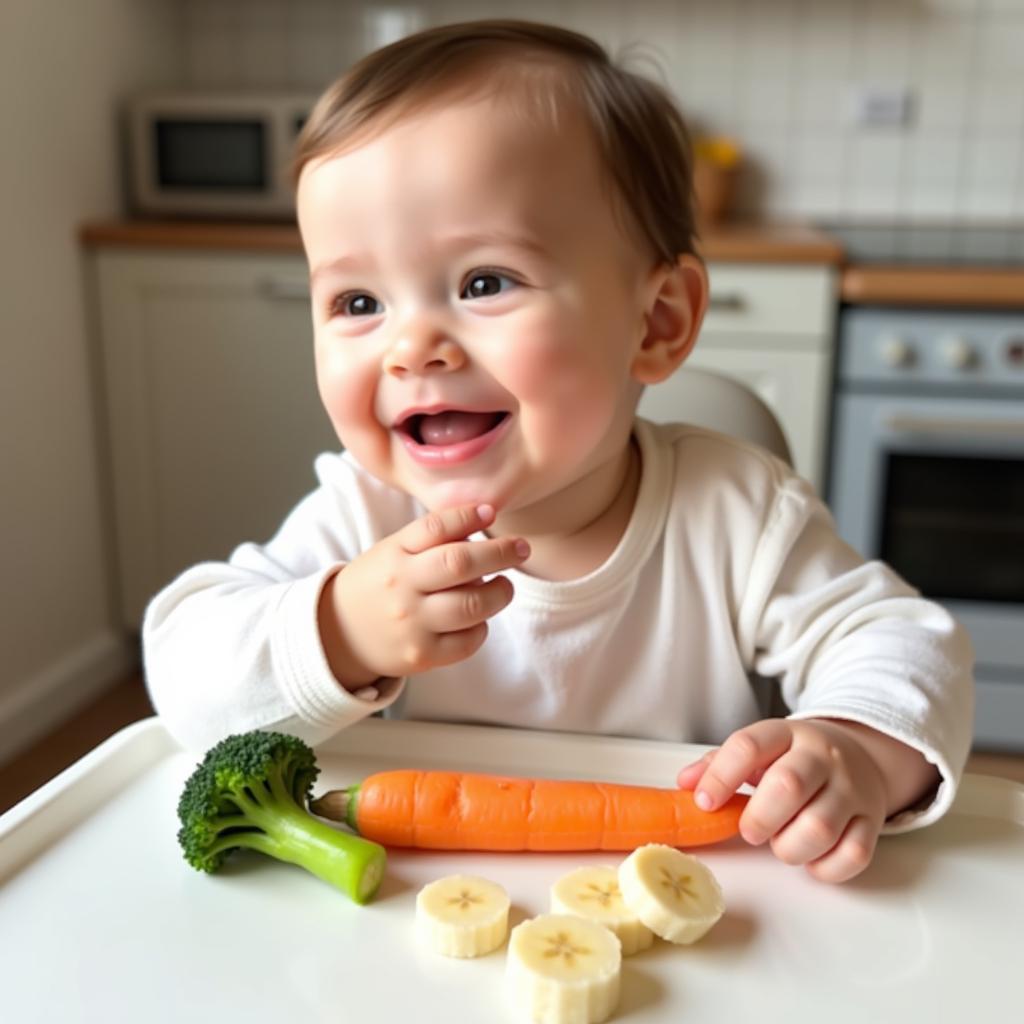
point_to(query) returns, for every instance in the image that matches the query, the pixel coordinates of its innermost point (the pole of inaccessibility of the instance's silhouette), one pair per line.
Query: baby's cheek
(565, 387)
(543, 365)
(530, 375)
(337, 389)
(348, 395)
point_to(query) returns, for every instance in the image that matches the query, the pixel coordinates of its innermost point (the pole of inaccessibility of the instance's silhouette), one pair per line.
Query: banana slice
(563, 969)
(462, 915)
(594, 893)
(674, 894)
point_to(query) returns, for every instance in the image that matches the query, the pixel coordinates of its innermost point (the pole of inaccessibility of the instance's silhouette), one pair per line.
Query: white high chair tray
(102, 920)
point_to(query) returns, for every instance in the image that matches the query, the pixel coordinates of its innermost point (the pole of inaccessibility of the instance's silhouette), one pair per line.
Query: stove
(998, 245)
(927, 451)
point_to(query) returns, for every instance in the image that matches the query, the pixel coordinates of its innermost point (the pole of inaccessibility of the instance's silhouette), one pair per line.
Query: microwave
(213, 155)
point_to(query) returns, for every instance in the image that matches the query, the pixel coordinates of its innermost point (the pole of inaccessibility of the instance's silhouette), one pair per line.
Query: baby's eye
(355, 304)
(484, 283)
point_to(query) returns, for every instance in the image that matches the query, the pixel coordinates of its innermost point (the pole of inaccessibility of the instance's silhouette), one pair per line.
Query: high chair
(718, 402)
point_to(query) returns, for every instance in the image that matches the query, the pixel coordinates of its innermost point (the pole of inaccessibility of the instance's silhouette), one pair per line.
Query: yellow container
(716, 162)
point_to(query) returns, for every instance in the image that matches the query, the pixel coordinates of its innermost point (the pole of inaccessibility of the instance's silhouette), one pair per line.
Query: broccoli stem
(349, 863)
(351, 802)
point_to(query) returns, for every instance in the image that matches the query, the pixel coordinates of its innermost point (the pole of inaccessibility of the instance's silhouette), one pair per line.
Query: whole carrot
(439, 810)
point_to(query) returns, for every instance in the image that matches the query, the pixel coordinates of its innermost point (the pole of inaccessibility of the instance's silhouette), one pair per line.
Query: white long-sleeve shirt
(729, 567)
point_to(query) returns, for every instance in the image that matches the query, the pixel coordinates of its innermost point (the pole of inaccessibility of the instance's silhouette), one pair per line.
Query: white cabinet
(213, 414)
(771, 327)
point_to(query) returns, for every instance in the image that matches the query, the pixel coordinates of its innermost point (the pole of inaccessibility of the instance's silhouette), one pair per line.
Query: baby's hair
(640, 133)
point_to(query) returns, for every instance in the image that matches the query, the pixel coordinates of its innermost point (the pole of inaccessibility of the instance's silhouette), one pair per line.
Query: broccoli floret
(251, 790)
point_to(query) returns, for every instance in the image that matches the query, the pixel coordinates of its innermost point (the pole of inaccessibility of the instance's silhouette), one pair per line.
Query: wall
(63, 67)
(776, 73)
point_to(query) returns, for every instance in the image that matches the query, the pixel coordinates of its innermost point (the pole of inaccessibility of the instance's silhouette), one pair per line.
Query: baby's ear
(677, 296)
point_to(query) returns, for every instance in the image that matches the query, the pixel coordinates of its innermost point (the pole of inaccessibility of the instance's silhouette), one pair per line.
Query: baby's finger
(440, 649)
(690, 775)
(815, 830)
(444, 526)
(461, 562)
(459, 645)
(745, 752)
(786, 786)
(453, 610)
(850, 856)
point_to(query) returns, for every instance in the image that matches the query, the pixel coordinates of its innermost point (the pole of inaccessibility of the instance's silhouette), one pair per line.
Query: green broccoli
(251, 791)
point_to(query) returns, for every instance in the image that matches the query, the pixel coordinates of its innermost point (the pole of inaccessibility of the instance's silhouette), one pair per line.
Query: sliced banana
(462, 915)
(593, 892)
(674, 894)
(563, 969)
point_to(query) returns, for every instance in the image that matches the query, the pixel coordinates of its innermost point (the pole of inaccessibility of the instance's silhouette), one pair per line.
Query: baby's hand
(820, 798)
(416, 600)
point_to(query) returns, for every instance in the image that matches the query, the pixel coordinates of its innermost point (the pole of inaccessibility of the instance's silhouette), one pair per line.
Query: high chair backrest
(718, 402)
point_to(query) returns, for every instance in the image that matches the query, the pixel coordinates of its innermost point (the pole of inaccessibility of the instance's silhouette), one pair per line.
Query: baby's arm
(878, 681)
(416, 600)
(285, 635)
(237, 645)
(824, 789)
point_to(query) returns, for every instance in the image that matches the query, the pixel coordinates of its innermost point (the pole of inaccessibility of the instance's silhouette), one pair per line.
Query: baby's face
(476, 304)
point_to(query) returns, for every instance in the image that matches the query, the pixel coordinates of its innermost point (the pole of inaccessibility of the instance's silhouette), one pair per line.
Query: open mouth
(450, 427)
(451, 437)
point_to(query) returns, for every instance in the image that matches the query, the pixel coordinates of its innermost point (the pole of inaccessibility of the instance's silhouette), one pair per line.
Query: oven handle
(727, 302)
(952, 427)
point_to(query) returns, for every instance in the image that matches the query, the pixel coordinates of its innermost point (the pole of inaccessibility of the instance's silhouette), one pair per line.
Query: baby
(498, 225)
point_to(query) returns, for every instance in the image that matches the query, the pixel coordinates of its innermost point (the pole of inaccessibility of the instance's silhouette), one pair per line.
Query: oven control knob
(896, 352)
(958, 354)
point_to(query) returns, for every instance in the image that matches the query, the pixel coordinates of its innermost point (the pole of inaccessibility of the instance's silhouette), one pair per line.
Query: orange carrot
(438, 810)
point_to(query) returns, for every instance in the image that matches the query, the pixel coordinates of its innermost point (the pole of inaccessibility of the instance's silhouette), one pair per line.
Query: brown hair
(640, 134)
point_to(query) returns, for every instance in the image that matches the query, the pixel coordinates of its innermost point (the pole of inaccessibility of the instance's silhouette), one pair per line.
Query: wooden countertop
(740, 243)
(901, 285)
(769, 243)
(187, 234)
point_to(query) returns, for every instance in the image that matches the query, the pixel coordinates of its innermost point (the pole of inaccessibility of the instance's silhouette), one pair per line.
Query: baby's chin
(456, 497)
(459, 493)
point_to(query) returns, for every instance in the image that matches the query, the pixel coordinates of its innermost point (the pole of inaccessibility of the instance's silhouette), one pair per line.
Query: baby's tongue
(452, 427)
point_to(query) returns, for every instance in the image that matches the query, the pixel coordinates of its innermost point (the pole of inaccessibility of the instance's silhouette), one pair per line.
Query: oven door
(935, 487)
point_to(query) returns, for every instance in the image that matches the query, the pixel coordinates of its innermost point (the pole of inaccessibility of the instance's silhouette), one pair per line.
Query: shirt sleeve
(850, 639)
(233, 646)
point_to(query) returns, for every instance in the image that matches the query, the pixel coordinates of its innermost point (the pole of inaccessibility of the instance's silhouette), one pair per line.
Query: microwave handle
(929, 427)
(284, 289)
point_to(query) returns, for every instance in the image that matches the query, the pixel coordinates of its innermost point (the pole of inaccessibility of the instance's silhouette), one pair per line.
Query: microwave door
(209, 166)
(211, 155)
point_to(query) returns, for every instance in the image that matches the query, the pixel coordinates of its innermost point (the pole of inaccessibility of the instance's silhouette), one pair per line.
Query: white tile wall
(778, 74)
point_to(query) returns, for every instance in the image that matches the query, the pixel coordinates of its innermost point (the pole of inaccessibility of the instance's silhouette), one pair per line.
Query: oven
(927, 473)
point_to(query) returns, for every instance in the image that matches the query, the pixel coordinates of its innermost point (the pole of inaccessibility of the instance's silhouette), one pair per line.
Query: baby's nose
(422, 351)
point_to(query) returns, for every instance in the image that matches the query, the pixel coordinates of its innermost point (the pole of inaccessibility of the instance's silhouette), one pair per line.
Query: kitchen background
(789, 79)
(780, 75)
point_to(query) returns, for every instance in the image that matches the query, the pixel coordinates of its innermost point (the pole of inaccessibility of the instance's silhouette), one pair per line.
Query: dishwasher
(927, 466)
